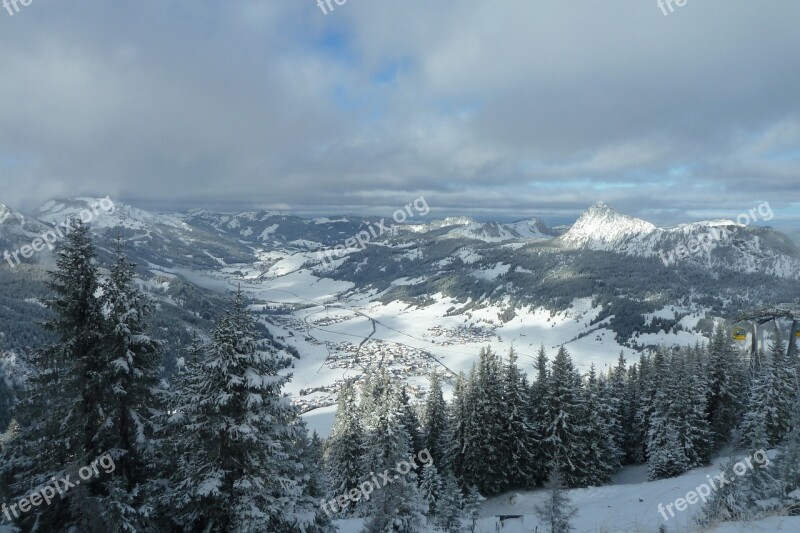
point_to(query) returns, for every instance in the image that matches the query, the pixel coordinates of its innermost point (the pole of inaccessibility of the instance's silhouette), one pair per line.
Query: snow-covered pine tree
(345, 449)
(556, 512)
(539, 417)
(787, 468)
(635, 440)
(603, 455)
(472, 501)
(728, 502)
(134, 389)
(431, 487)
(771, 401)
(766, 489)
(450, 514)
(565, 439)
(435, 422)
(484, 429)
(517, 452)
(666, 456)
(689, 406)
(306, 454)
(411, 421)
(457, 423)
(645, 394)
(236, 470)
(63, 410)
(623, 411)
(397, 506)
(725, 385)
(314, 452)
(784, 394)
(753, 429)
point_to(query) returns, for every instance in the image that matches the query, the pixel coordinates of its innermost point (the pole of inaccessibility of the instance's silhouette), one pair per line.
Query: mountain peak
(5, 212)
(600, 206)
(601, 225)
(531, 228)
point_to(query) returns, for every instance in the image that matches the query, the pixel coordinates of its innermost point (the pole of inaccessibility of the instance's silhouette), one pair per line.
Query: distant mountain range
(628, 266)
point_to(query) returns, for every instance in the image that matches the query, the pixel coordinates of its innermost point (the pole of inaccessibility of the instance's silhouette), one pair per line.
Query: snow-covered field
(629, 505)
(328, 322)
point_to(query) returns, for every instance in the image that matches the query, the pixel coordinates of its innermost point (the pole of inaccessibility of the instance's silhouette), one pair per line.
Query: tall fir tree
(666, 456)
(539, 418)
(237, 465)
(759, 412)
(398, 506)
(411, 421)
(688, 371)
(622, 410)
(484, 435)
(784, 394)
(603, 456)
(566, 431)
(132, 382)
(645, 392)
(345, 449)
(435, 422)
(517, 452)
(632, 399)
(457, 422)
(450, 514)
(725, 386)
(64, 411)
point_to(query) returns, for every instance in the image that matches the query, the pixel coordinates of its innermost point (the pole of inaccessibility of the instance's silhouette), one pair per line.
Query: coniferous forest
(347, 266)
(217, 446)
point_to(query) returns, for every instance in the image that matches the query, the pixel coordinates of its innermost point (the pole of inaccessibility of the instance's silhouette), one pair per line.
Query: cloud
(496, 109)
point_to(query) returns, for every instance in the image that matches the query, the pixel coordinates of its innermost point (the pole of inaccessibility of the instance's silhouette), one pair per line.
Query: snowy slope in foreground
(629, 506)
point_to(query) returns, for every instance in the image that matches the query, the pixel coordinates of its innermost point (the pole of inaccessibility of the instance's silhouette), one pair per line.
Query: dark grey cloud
(496, 109)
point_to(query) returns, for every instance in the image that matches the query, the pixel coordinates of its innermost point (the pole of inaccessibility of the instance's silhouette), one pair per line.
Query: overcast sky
(498, 109)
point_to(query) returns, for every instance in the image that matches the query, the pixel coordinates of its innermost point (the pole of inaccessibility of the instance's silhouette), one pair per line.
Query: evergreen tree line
(771, 420)
(672, 410)
(219, 449)
(376, 429)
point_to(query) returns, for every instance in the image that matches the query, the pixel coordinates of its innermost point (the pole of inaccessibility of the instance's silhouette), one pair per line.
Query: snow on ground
(455, 344)
(630, 505)
(321, 420)
(326, 316)
(666, 312)
(295, 286)
(493, 273)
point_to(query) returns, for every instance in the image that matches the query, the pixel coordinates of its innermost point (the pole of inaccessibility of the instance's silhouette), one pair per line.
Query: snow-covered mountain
(13, 223)
(531, 228)
(715, 245)
(435, 291)
(104, 213)
(468, 228)
(602, 228)
(18, 230)
(502, 267)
